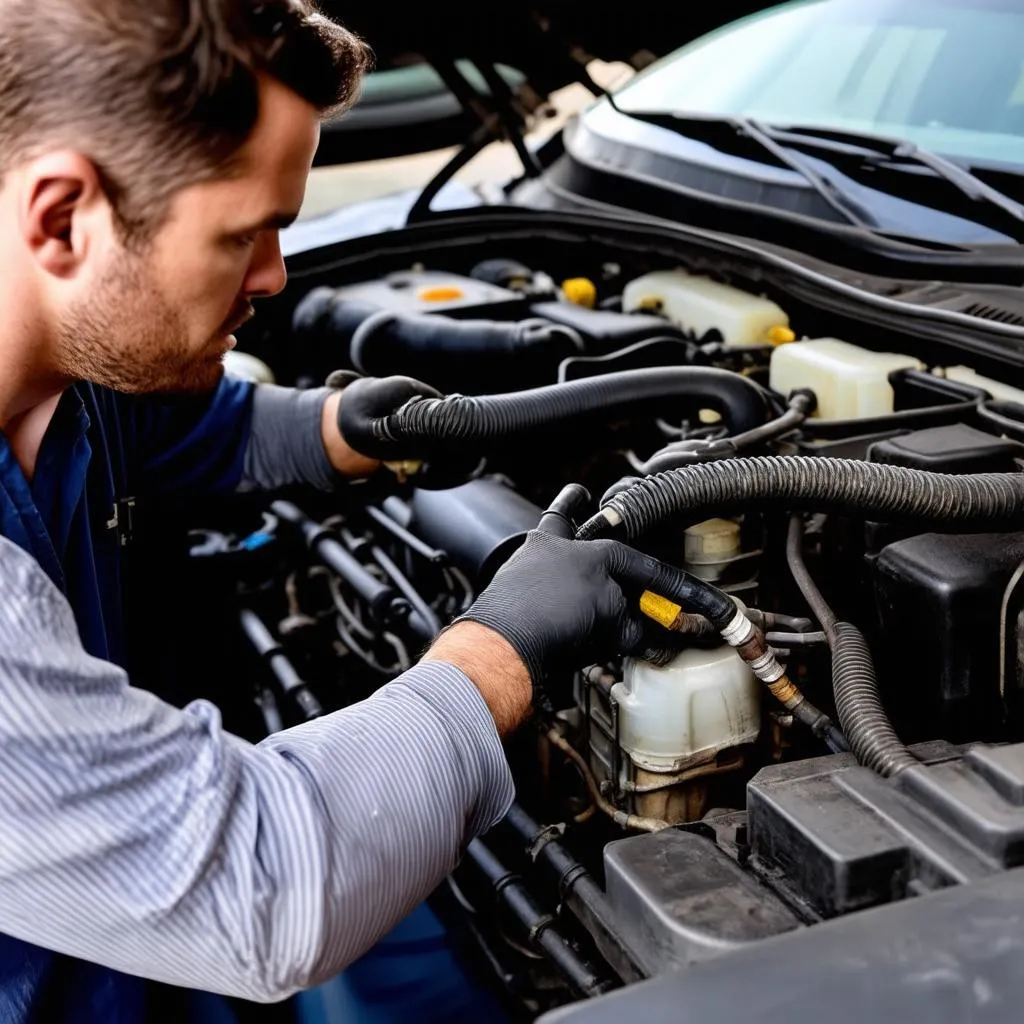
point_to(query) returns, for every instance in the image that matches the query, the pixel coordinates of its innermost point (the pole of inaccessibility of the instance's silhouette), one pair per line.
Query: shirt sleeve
(286, 444)
(147, 839)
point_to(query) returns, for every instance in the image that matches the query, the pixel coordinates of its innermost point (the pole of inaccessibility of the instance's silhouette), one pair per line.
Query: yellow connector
(661, 609)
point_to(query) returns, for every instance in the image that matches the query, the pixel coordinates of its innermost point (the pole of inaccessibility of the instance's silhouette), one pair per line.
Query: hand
(361, 417)
(563, 604)
(366, 402)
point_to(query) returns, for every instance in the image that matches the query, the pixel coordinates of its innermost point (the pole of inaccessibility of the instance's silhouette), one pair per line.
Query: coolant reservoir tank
(849, 382)
(701, 305)
(684, 713)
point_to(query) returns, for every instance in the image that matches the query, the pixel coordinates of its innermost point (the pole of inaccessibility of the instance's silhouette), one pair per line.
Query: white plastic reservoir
(998, 390)
(702, 702)
(850, 382)
(699, 304)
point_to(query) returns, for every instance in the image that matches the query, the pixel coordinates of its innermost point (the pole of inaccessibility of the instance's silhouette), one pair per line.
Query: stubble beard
(127, 337)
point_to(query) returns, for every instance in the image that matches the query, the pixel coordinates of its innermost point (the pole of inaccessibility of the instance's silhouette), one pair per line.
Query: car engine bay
(835, 722)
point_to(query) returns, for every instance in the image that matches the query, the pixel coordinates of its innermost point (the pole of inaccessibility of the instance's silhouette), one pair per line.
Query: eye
(244, 241)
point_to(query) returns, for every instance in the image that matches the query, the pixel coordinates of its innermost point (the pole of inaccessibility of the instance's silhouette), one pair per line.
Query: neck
(29, 388)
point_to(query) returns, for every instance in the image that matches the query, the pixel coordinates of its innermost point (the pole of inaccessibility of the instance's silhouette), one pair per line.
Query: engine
(860, 746)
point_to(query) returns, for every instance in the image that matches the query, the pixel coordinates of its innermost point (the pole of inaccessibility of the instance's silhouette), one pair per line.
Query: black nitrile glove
(563, 604)
(366, 403)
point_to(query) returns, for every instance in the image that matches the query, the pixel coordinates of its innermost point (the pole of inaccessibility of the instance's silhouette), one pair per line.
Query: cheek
(213, 288)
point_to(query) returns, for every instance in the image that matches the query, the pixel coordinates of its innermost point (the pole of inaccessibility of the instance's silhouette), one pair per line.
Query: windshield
(947, 75)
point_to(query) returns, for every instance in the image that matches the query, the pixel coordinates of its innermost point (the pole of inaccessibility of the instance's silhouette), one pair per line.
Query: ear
(63, 207)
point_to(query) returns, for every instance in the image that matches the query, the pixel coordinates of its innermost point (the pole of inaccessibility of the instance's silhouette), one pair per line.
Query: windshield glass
(946, 74)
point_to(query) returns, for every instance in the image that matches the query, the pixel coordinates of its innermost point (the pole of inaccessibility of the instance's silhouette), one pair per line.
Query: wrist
(493, 666)
(345, 459)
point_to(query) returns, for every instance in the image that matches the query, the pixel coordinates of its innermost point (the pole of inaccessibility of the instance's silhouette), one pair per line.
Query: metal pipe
(410, 540)
(577, 889)
(633, 821)
(292, 684)
(541, 929)
(382, 599)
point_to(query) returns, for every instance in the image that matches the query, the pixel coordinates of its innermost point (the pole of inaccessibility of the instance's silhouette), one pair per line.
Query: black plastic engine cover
(839, 838)
(956, 448)
(680, 900)
(938, 599)
(949, 958)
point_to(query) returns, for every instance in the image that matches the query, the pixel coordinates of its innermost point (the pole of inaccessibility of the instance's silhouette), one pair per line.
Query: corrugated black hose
(858, 704)
(426, 426)
(978, 503)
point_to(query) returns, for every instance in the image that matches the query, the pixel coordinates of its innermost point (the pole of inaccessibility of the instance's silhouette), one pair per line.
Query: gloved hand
(563, 604)
(366, 402)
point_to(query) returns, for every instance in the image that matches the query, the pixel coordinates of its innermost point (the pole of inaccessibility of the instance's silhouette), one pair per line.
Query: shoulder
(30, 602)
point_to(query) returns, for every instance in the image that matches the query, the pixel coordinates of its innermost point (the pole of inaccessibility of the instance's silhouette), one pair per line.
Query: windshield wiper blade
(965, 181)
(697, 126)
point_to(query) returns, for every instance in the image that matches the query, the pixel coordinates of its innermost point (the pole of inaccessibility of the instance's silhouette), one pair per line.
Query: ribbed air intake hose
(859, 707)
(985, 501)
(424, 426)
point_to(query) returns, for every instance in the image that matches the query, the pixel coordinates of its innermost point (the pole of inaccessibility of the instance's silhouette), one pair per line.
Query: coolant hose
(462, 355)
(689, 453)
(452, 355)
(424, 426)
(982, 502)
(859, 707)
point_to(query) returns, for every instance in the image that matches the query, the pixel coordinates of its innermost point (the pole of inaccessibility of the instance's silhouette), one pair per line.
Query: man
(149, 155)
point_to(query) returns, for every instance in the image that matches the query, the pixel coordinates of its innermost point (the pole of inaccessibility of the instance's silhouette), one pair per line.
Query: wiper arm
(706, 128)
(902, 150)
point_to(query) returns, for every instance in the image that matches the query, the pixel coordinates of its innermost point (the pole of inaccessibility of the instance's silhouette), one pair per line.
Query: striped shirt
(147, 839)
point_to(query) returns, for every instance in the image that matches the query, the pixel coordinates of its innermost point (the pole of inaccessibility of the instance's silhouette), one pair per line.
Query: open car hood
(548, 41)
(439, 66)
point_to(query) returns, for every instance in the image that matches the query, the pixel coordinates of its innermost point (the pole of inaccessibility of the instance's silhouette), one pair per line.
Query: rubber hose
(804, 581)
(461, 355)
(978, 503)
(461, 421)
(859, 707)
(677, 455)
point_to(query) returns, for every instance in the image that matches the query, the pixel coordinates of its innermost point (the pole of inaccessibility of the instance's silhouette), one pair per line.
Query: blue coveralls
(101, 452)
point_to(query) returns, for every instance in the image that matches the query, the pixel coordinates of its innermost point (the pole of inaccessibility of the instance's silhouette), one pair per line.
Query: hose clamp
(739, 630)
(767, 668)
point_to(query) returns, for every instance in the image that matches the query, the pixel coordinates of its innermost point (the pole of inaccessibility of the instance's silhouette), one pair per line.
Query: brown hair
(160, 93)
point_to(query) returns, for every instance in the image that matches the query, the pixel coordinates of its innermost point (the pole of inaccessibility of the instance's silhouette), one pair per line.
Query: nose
(267, 275)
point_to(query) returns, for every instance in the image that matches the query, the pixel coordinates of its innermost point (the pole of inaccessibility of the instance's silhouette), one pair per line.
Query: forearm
(294, 439)
(146, 839)
(258, 871)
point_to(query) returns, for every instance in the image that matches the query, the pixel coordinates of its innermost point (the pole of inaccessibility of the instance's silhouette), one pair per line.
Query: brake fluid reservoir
(684, 713)
(849, 382)
(700, 305)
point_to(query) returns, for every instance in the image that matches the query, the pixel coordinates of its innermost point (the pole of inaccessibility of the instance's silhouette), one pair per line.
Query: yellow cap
(441, 293)
(580, 290)
(780, 334)
(659, 608)
(651, 302)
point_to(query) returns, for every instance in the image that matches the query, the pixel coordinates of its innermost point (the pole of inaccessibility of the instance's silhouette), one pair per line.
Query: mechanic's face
(162, 319)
